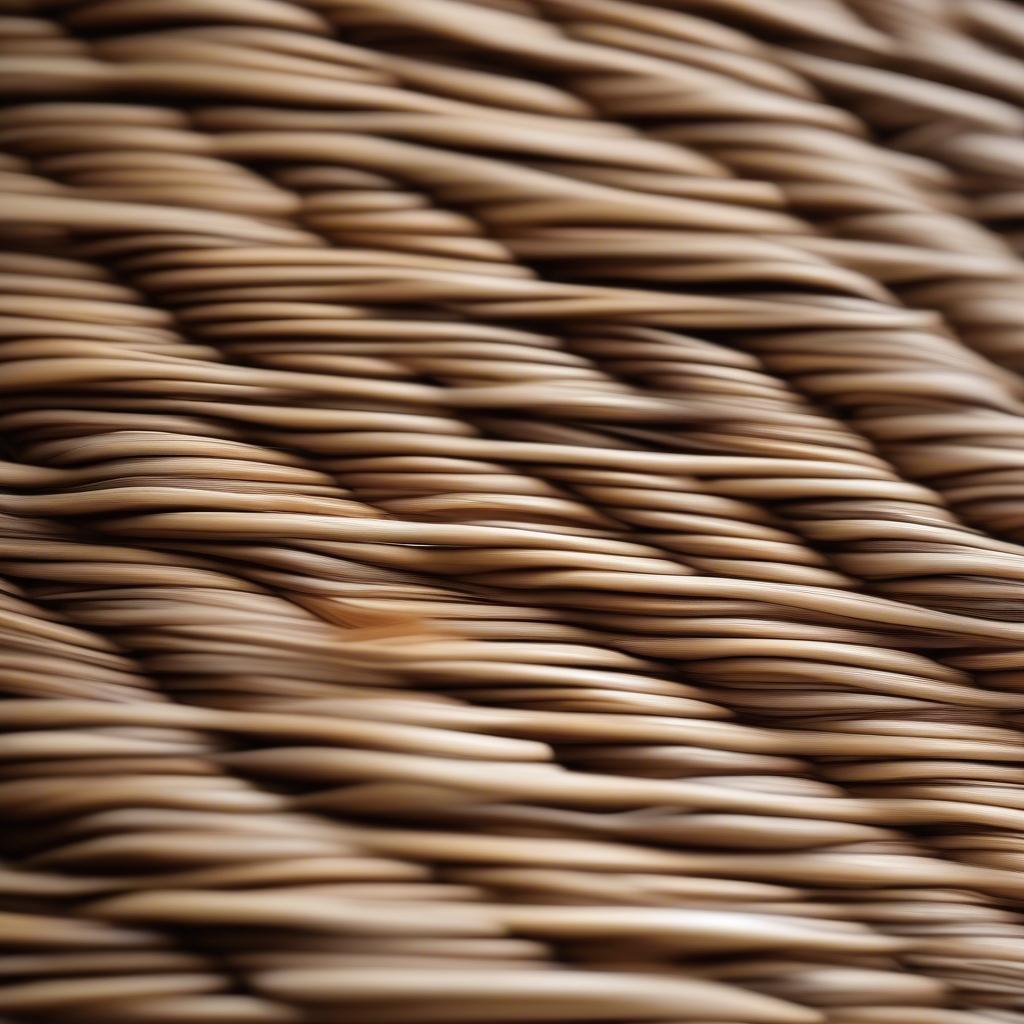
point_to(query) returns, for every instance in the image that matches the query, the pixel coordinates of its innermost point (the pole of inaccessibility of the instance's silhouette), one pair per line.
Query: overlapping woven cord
(512, 512)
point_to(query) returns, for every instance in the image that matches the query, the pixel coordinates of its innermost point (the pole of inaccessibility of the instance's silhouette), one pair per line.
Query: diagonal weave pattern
(512, 511)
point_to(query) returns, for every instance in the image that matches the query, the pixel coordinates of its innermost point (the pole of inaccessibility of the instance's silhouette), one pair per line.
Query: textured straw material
(512, 511)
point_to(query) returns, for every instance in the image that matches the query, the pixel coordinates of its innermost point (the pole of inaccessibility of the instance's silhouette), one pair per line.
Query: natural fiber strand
(512, 511)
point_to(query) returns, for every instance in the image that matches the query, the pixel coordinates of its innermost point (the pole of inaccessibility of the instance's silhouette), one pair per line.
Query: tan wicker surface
(513, 512)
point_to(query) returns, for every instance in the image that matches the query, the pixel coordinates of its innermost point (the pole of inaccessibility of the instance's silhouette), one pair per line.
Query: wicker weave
(513, 512)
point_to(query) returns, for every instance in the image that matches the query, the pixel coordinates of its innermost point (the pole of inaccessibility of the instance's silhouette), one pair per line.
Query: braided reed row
(511, 512)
